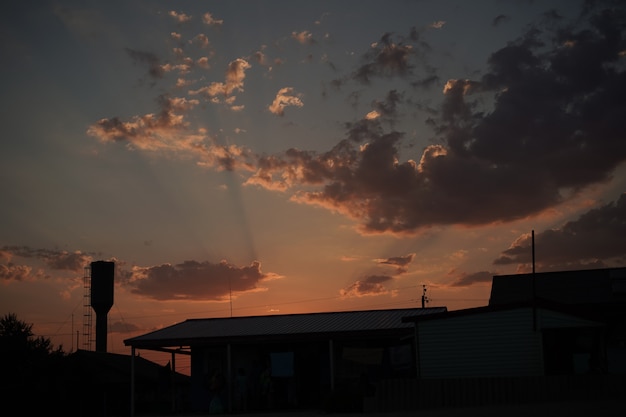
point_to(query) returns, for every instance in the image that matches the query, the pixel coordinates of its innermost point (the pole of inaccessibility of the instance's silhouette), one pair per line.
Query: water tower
(102, 273)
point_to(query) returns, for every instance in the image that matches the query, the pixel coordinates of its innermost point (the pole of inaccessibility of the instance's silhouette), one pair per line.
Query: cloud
(468, 279)
(438, 24)
(284, 98)
(304, 37)
(190, 280)
(374, 284)
(398, 260)
(201, 39)
(167, 132)
(386, 58)
(500, 19)
(197, 281)
(148, 132)
(208, 19)
(54, 260)
(540, 126)
(388, 107)
(401, 262)
(222, 91)
(11, 272)
(543, 123)
(203, 62)
(154, 63)
(179, 17)
(594, 240)
(371, 285)
(123, 327)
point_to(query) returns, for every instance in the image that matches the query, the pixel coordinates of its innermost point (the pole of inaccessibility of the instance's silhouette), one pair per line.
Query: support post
(534, 284)
(229, 378)
(331, 357)
(173, 387)
(418, 362)
(132, 381)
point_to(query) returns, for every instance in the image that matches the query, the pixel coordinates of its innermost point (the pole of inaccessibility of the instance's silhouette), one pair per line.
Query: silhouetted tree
(30, 366)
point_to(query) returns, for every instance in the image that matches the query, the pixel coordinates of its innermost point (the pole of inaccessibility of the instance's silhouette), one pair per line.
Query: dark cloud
(147, 131)
(594, 240)
(198, 281)
(123, 327)
(498, 20)
(53, 259)
(467, 279)
(393, 55)
(374, 284)
(12, 272)
(386, 58)
(68, 261)
(543, 123)
(401, 262)
(389, 106)
(371, 285)
(426, 82)
(155, 70)
(398, 260)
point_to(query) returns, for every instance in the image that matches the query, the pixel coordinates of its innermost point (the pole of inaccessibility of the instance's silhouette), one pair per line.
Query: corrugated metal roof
(198, 330)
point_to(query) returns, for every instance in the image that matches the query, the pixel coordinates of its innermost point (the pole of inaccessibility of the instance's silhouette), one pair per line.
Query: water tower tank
(102, 273)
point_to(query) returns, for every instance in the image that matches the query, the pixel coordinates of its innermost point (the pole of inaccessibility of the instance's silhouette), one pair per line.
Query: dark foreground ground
(609, 408)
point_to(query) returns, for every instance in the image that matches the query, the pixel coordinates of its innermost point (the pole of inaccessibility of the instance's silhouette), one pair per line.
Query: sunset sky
(271, 157)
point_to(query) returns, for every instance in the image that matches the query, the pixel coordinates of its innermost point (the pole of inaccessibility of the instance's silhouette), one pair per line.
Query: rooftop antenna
(424, 297)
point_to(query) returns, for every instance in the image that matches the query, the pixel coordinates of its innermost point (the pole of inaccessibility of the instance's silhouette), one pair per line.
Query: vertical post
(173, 386)
(418, 362)
(534, 283)
(331, 356)
(229, 378)
(132, 381)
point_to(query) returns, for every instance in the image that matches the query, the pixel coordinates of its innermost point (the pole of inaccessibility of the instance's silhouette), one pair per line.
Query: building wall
(300, 372)
(498, 343)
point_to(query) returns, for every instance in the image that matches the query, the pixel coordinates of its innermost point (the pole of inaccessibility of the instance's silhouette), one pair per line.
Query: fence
(415, 394)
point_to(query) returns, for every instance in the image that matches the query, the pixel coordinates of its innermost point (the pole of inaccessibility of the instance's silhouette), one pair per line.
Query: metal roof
(591, 286)
(196, 331)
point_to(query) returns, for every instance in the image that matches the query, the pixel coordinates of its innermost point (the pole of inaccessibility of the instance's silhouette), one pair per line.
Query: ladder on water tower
(87, 317)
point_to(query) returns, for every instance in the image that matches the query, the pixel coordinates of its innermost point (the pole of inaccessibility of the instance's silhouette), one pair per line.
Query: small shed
(513, 340)
(597, 294)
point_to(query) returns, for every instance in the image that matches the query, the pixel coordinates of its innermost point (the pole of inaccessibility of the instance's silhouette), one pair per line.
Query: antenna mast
(424, 297)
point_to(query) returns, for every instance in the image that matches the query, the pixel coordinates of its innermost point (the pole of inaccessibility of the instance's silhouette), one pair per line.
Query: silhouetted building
(308, 361)
(99, 384)
(596, 294)
(597, 288)
(512, 340)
